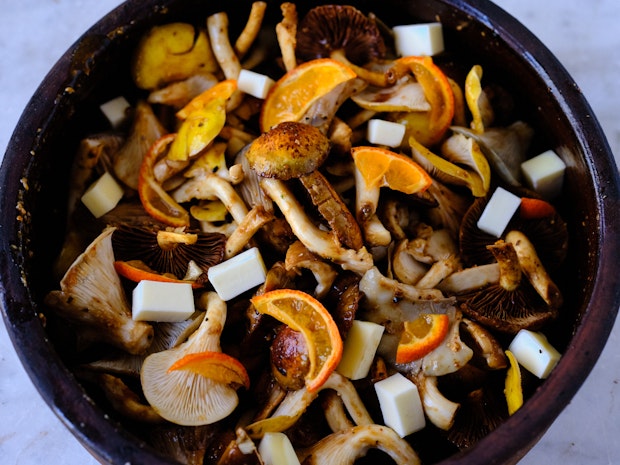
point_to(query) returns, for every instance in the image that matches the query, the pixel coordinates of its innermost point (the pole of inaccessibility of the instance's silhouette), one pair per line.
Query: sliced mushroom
(404, 266)
(286, 31)
(91, 295)
(299, 257)
(178, 94)
(289, 360)
(345, 447)
(439, 410)
(487, 349)
(145, 130)
(184, 397)
(256, 218)
(240, 451)
(470, 279)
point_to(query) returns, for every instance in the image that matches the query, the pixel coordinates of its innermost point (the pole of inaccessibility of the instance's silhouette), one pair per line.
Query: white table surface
(585, 36)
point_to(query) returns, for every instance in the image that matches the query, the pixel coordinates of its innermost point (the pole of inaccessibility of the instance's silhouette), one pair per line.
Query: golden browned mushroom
(298, 257)
(92, 296)
(286, 31)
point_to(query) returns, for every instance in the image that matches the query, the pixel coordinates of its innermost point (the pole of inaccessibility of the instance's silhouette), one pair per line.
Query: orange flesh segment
(216, 366)
(293, 94)
(155, 200)
(303, 313)
(383, 168)
(421, 336)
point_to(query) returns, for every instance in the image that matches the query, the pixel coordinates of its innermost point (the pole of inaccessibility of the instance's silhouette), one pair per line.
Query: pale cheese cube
(102, 195)
(545, 174)
(418, 39)
(115, 110)
(238, 274)
(383, 132)
(400, 404)
(498, 212)
(253, 83)
(359, 349)
(162, 301)
(534, 352)
(276, 449)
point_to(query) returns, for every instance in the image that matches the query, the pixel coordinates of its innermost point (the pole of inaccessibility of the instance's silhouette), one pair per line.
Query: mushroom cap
(288, 150)
(327, 28)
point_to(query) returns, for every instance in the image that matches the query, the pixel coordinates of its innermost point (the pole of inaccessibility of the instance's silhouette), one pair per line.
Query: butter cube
(276, 449)
(115, 110)
(498, 212)
(238, 274)
(400, 404)
(534, 352)
(383, 132)
(103, 195)
(545, 174)
(359, 349)
(162, 301)
(418, 39)
(253, 83)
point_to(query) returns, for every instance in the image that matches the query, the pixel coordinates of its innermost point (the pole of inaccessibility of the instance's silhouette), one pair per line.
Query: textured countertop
(583, 35)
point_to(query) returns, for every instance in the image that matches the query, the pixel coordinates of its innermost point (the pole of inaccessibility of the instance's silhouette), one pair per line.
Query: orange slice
(421, 336)
(428, 127)
(293, 94)
(137, 270)
(155, 200)
(531, 209)
(303, 313)
(383, 168)
(216, 366)
(512, 388)
(222, 90)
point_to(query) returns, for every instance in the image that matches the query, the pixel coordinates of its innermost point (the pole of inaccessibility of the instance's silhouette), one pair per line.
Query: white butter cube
(400, 404)
(253, 83)
(115, 110)
(359, 349)
(238, 274)
(276, 449)
(545, 174)
(498, 212)
(534, 352)
(102, 195)
(162, 301)
(383, 132)
(418, 39)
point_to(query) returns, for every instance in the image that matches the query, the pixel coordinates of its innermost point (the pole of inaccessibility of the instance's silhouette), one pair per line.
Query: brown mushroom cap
(288, 150)
(328, 28)
(289, 361)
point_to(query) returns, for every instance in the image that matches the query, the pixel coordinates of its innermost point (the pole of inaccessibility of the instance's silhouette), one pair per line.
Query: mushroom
(185, 444)
(288, 356)
(92, 296)
(487, 350)
(296, 402)
(179, 93)
(548, 235)
(505, 148)
(296, 150)
(345, 447)
(251, 29)
(286, 32)
(440, 410)
(343, 300)
(145, 130)
(240, 451)
(169, 251)
(404, 266)
(343, 33)
(184, 397)
(299, 257)
(509, 304)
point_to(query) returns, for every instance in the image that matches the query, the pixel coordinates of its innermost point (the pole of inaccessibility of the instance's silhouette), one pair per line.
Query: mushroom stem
(509, 268)
(345, 447)
(375, 78)
(316, 240)
(534, 269)
(256, 218)
(440, 411)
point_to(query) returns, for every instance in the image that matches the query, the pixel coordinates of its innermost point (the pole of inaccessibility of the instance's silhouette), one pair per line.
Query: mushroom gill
(168, 251)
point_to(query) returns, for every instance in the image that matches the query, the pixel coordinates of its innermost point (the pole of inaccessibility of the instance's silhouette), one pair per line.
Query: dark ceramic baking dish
(34, 180)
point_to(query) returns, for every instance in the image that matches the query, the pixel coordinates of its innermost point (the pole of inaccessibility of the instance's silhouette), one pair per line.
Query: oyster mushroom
(179, 93)
(343, 33)
(345, 447)
(286, 32)
(440, 410)
(145, 130)
(183, 397)
(487, 349)
(299, 257)
(92, 296)
(169, 251)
